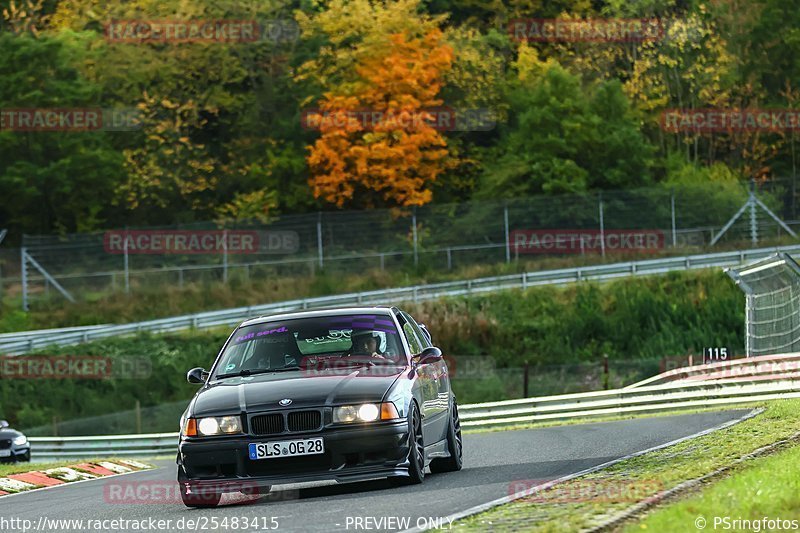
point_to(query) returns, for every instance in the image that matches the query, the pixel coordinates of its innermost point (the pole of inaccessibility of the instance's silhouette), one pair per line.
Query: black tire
(416, 451)
(27, 457)
(455, 445)
(199, 498)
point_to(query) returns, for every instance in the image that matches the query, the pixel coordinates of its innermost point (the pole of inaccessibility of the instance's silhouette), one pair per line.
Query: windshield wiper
(247, 372)
(357, 362)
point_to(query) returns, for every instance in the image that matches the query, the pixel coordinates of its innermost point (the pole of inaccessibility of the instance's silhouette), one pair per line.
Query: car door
(428, 389)
(434, 379)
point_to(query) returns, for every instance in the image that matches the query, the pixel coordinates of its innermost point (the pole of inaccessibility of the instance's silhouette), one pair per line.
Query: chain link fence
(772, 293)
(443, 237)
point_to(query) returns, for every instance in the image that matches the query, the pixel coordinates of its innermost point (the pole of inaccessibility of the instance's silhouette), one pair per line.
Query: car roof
(334, 311)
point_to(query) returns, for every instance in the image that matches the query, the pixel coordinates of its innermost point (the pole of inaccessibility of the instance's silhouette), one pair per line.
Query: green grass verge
(764, 487)
(591, 500)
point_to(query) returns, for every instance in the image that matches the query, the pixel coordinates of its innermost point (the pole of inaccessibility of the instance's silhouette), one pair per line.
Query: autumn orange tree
(379, 145)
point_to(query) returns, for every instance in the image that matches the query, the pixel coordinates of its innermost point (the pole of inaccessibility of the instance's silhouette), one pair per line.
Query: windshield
(318, 342)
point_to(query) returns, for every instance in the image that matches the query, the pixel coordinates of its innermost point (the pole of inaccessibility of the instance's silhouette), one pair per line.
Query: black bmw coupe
(346, 394)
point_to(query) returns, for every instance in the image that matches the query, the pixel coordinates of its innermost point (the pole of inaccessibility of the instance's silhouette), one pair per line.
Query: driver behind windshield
(368, 342)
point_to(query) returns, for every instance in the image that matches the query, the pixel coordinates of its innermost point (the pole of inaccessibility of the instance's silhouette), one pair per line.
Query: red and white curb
(38, 479)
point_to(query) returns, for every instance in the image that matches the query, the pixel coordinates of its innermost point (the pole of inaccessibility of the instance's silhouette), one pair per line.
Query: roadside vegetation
(767, 487)
(563, 334)
(242, 143)
(596, 499)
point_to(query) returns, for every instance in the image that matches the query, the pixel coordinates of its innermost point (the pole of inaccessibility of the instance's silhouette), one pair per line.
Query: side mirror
(197, 375)
(427, 333)
(4, 424)
(430, 355)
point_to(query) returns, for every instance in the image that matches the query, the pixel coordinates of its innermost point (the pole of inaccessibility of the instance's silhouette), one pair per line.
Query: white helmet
(379, 336)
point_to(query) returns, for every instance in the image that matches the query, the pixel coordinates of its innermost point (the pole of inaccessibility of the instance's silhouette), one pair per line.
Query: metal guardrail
(626, 401)
(763, 366)
(668, 397)
(18, 335)
(28, 341)
(47, 448)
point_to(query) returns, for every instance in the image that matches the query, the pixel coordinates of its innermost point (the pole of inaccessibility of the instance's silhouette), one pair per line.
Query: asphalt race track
(492, 461)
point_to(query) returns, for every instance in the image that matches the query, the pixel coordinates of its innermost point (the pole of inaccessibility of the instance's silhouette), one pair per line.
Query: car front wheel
(416, 450)
(454, 446)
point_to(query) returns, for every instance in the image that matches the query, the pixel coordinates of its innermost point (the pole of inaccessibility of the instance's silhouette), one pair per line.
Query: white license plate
(286, 448)
(5, 453)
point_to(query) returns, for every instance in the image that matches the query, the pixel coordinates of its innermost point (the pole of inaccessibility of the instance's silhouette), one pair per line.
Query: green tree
(559, 139)
(54, 180)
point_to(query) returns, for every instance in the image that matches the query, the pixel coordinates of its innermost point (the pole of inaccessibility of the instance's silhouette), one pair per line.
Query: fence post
(525, 380)
(674, 227)
(605, 371)
(753, 219)
(319, 238)
(508, 241)
(225, 256)
(127, 271)
(602, 226)
(138, 417)
(2, 236)
(414, 233)
(24, 268)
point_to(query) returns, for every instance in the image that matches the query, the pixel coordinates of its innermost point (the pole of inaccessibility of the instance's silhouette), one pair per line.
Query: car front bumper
(18, 453)
(351, 454)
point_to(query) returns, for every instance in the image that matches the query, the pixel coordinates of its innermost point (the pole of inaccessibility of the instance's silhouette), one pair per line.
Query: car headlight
(22, 440)
(367, 412)
(212, 425)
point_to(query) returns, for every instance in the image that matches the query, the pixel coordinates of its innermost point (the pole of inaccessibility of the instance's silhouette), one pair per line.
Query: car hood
(262, 392)
(9, 434)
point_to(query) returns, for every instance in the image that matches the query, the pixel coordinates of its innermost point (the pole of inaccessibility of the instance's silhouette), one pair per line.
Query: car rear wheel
(416, 451)
(454, 446)
(194, 496)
